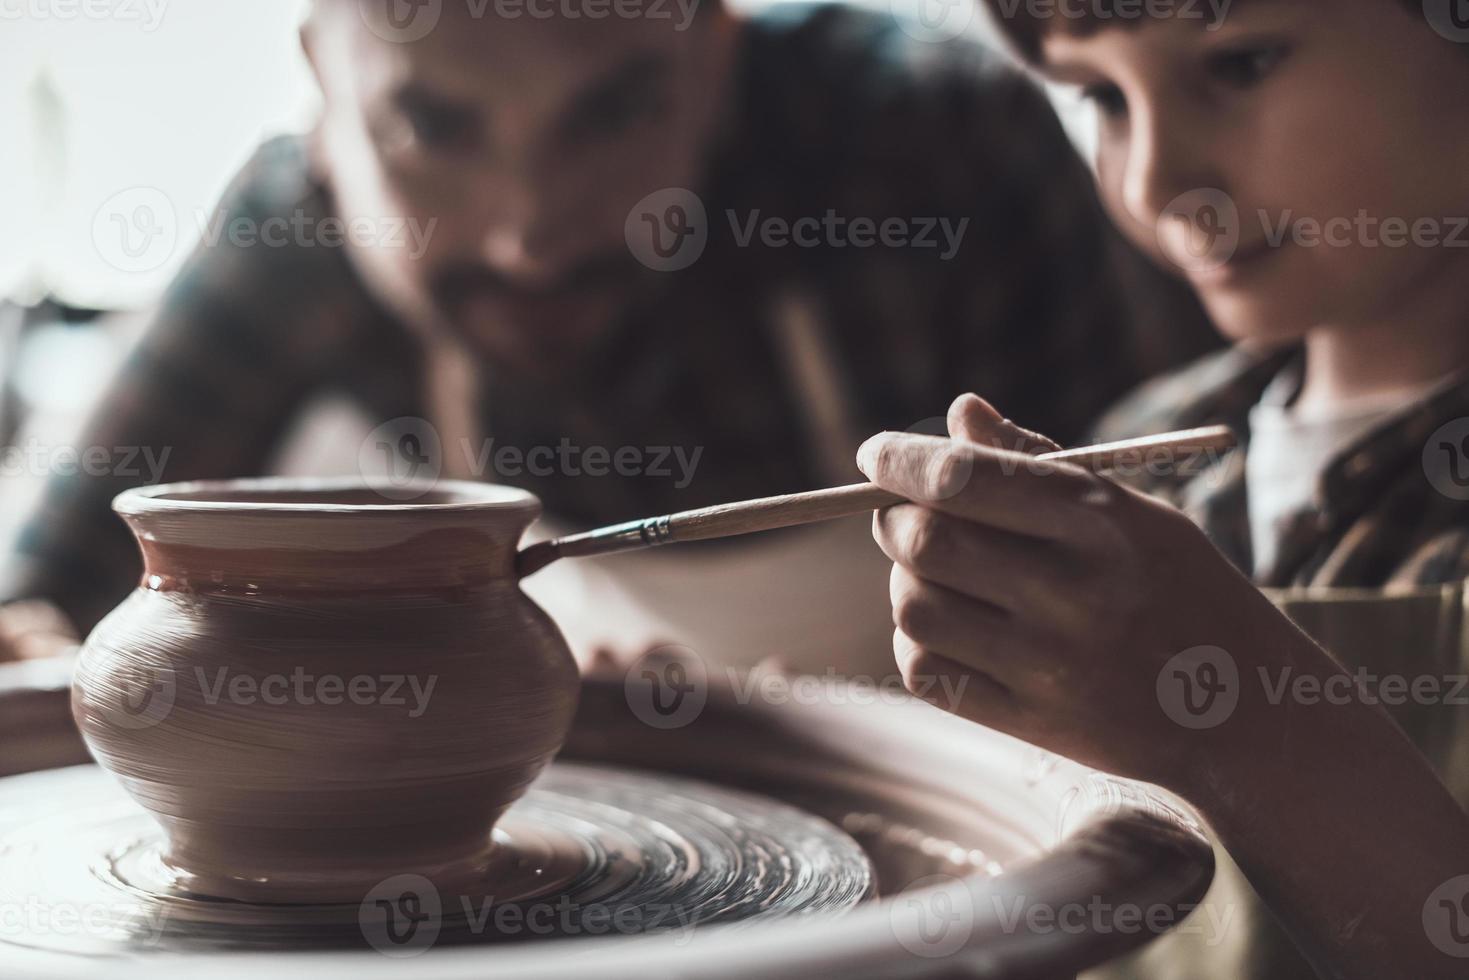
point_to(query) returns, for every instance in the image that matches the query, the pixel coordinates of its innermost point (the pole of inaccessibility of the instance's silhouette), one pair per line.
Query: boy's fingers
(1004, 648)
(1033, 580)
(936, 616)
(973, 419)
(945, 682)
(953, 687)
(1002, 489)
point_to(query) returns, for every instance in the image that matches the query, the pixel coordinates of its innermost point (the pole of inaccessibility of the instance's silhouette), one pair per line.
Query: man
(885, 222)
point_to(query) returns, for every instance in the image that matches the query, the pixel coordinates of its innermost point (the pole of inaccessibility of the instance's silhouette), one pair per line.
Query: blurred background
(149, 108)
(158, 100)
(93, 107)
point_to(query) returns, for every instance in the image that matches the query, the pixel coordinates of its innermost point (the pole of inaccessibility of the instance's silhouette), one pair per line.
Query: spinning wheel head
(589, 851)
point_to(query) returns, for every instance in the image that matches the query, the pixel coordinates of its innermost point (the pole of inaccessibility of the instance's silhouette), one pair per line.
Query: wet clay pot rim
(333, 534)
(280, 496)
(235, 524)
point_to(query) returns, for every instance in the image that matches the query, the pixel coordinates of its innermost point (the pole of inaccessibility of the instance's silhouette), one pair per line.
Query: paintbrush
(789, 510)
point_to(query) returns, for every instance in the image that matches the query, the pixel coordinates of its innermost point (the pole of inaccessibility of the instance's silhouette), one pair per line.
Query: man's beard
(542, 328)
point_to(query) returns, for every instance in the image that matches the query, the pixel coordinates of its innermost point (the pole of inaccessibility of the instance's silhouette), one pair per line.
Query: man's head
(1320, 132)
(528, 129)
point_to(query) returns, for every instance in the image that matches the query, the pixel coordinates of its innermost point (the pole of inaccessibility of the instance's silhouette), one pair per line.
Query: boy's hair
(1026, 23)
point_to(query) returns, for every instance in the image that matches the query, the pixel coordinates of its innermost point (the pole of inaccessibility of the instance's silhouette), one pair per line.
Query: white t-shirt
(1290, 450)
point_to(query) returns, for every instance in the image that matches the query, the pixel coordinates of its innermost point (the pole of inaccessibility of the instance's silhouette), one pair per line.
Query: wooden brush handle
(771, 513)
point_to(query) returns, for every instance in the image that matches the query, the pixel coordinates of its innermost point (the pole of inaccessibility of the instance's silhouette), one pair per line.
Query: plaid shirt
(1391, 510)
(1042, 308)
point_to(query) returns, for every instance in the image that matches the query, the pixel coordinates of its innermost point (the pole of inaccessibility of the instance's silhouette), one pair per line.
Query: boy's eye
(1108, 98)
(1245, 67)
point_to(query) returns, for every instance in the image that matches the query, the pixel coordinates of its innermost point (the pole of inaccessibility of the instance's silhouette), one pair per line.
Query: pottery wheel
(588, 851)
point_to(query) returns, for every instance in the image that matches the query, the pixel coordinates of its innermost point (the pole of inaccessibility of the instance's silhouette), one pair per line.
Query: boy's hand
(1058, 595)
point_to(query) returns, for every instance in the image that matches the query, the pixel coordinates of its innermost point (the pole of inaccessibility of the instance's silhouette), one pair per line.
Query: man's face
(526, 139)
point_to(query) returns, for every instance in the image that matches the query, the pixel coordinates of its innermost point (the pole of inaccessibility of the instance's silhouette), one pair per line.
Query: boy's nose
(1166, 157)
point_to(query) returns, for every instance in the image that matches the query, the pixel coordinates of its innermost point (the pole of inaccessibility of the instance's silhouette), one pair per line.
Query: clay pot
(314, 689)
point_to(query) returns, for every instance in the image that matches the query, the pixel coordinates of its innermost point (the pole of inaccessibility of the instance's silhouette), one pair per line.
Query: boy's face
(1305, 164)
(527, 140)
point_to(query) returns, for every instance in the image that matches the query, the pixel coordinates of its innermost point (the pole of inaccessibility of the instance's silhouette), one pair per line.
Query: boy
(1067, 599)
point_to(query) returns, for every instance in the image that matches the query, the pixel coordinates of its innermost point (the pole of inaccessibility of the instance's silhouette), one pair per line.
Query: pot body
(313, 692)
